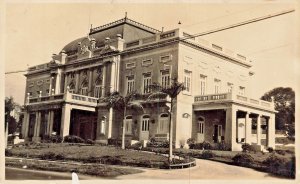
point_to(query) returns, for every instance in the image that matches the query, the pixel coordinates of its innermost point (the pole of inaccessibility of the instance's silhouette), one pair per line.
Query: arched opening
(200, 129)
(84, 88)
(145, 127)
(71, 87)
(98, 87)
(163, 124)
(128, 125)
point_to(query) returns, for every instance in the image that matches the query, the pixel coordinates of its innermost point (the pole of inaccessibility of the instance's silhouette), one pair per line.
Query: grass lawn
(89, 154)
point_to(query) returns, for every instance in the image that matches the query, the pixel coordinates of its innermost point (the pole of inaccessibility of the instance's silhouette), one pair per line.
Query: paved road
(204, 169)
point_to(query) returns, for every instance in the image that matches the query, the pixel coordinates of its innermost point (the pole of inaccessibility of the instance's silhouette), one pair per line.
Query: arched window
(71, 87)
(84, 88)
(102, 130)
(98, 87)
(128, 125)
(163, 123)
(145, 123)
(200, 127)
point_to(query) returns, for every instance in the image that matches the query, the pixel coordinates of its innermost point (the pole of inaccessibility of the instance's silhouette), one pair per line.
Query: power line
(19, 71)
(214, 30)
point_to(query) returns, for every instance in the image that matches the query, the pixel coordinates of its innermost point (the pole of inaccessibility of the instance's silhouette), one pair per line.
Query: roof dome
(72, 46)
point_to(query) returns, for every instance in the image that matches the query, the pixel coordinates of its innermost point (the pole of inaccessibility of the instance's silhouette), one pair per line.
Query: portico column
(258, 130)
(103, 81)
(50, 122)
(25, 125)
(90, 82)
(233, 130)
(248, 128)
(271, 131)
(65, 120)
(36, 135)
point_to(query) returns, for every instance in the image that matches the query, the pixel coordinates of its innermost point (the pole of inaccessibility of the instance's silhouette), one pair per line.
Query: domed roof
(72, 46)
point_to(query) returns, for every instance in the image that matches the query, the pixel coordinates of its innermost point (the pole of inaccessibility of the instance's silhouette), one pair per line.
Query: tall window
(217, 86)
(84, 88)
(241, 90)
(201, 125)
(145, 123)
(147, 80)
(165, 78)
(229, 87)
(187, 81)
(203, 79)
(128, 125)
(98, 89)
(97, 92)
(163, 125)
(72, 88)
(130, 83)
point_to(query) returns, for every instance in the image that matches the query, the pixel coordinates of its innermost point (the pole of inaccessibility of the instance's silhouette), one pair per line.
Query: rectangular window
(203, 79)
(188, 81)
(145, 125)
(130, 84)
(241, 90)
(130, 65)
(128, 126)
(147, 81)
(217, 86)
(147, 62)
(229, 87)
(97, 92)
(201, 127)
(165, 78)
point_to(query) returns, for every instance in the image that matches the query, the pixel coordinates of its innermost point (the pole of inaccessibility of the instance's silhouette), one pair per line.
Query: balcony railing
(68, 97)
(233, 97)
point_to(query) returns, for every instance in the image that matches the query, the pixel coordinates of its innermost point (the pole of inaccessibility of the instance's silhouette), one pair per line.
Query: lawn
(89, 154)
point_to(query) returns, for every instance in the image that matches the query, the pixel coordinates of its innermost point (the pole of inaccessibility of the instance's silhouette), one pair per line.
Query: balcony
(233, 97)
(64, 97)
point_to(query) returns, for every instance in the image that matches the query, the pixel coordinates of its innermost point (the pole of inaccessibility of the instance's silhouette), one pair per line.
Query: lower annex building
(65, 96)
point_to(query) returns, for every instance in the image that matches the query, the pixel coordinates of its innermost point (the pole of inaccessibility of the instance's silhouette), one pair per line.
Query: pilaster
(65, 120)
(258, 129)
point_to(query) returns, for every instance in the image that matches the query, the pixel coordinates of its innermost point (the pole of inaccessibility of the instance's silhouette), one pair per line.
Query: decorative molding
(130, 65)
(147, 62)
(203, 65)
(165, 58)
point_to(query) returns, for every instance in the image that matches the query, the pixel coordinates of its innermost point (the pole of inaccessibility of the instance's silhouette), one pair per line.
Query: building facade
(66, 95)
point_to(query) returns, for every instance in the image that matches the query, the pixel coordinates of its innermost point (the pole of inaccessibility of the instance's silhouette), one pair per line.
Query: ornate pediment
(107, 49)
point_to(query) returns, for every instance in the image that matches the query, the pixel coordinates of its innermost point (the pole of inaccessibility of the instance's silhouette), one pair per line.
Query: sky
(34, 31)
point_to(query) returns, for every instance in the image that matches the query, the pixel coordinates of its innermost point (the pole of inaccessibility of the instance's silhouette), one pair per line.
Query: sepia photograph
(153, 91)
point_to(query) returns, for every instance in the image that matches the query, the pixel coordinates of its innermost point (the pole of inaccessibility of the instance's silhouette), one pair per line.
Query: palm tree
(171, 92)
(122, 103)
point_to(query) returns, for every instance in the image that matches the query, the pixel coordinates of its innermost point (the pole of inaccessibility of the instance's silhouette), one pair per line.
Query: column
(58, 82)
(103, 80)
(271, 131)
(25, 125)
(90, 82)
(77, 82)
(110, 122)
(258, 129)
(50, 85)
(234, 129)
(66, 83)
(248, 128)
(37, 125)
(50, 122)
(65, 120)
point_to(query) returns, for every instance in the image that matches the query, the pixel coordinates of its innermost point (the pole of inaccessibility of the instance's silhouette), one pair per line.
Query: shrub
(206, 145)
(136, 146)
(111, 160)
(270, 149)
(59, 156)
(8, 153)
(90, 141)
(243, 159)
(191, 142)
(280, 152)
(207, 154)
(73, 139)
(51, 139)
(198, 146)
(248, 148)
(48, 156)
(280, 166)
(222, 146)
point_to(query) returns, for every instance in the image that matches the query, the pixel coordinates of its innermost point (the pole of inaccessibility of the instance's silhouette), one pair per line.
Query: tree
(171, 92)
(122, 103)
(9, 106)
(284, 99)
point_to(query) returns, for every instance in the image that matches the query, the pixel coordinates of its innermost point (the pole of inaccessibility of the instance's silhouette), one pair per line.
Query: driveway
(204, 169)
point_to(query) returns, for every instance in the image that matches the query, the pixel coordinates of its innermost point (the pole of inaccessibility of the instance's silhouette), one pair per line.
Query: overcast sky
(35, 31)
